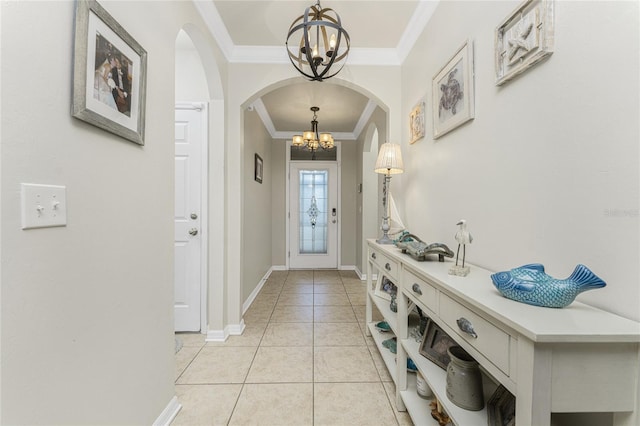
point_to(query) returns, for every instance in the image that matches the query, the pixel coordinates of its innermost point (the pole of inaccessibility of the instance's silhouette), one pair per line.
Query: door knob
(194, 216)
(193, 231)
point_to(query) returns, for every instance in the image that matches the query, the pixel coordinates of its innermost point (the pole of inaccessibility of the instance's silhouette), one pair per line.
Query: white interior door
(189, 137)
(314, 215)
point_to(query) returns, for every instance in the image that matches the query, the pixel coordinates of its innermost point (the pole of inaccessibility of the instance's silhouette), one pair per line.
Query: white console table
(570, 360)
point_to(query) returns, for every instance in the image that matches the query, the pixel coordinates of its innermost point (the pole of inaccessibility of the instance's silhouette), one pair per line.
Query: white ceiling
(254, 31)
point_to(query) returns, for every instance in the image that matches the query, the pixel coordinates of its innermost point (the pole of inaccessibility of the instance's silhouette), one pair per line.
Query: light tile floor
(303, 359)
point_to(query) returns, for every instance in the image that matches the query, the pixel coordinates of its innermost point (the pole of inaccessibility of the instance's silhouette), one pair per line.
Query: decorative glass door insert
(313, 217)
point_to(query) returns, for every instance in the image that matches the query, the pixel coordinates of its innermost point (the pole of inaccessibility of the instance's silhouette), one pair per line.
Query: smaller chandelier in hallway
(318, 43)
(311, 139)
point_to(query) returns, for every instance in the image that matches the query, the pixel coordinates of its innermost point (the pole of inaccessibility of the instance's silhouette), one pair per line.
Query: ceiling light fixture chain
(322, 43)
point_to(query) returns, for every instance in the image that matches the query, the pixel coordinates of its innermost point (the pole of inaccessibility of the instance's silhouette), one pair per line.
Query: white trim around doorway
(204, 210)
(287, 206)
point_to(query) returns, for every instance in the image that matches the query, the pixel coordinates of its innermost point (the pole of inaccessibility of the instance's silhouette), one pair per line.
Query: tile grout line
(244, 382)
(270, 322)
(188, 364)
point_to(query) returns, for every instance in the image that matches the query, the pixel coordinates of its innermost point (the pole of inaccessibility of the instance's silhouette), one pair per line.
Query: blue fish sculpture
(530, 284)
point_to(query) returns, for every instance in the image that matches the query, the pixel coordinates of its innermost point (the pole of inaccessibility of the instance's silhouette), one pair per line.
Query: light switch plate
(43, 206)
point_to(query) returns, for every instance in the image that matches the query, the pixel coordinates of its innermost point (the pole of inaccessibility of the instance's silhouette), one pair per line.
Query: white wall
(548, 170)
(369, 206)
(279, 173)
(191, 82)
(87, 309)
(256, 214)
(348, 202)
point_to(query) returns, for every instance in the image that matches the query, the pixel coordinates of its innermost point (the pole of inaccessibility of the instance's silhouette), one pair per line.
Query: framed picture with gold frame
(417, 123)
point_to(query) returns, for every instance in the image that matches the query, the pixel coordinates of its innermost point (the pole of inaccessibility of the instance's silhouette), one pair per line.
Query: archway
(197, 66)
(366, 216)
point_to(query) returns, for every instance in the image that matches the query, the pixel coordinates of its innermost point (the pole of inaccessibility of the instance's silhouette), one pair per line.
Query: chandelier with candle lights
(312, 139)
(317, 44)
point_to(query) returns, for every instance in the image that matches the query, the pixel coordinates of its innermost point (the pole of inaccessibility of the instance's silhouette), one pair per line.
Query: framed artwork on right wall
(416, 123)
(453, 92)
(524, 39)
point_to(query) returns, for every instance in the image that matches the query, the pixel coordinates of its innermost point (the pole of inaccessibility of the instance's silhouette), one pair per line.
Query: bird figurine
(463, 237)
(530, 284)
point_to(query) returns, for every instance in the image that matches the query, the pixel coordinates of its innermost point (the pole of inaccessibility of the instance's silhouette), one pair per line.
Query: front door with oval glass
(313, 225)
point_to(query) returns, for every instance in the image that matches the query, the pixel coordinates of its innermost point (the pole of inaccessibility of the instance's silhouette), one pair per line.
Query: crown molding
(262, 112)
(416, 26)
(215, 24)
(364, 118)
(258, 105)
(259, 55)
(278, 54)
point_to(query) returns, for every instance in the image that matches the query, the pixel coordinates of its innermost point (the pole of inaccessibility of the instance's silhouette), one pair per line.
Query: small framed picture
(435, 343)
(109, 74)
(385, 287)
(257, 172)
(453, 92)
(417, 123)
(501, 408)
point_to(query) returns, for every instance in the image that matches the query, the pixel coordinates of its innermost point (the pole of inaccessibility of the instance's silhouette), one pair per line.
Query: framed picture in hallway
(453, 92)
(524, 39)
(109, 74)
(257, 168)
(416, 123)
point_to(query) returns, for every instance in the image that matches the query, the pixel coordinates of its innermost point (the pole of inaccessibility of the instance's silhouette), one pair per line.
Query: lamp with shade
(389, 163)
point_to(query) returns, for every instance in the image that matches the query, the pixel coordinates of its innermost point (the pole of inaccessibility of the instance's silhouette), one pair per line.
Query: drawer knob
(373, 255)
(387, 267)
(466, 326)
(416, 289)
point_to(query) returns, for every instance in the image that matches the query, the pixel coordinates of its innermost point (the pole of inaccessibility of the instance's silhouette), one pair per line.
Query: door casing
(288, 206)
(204, 213)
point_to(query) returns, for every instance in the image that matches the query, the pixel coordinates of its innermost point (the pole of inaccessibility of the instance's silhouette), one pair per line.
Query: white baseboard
(236, 329)
(279, 268)
(247, 303)
(169, 413)
(223, 335)
(216, 336)
(362, 276)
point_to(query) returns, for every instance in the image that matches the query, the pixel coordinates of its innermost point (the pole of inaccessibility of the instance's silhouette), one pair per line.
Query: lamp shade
(389, 159)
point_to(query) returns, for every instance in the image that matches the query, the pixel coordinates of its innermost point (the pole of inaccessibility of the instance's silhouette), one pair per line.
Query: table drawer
(421, 290)
(385, 265)
(489, 340)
